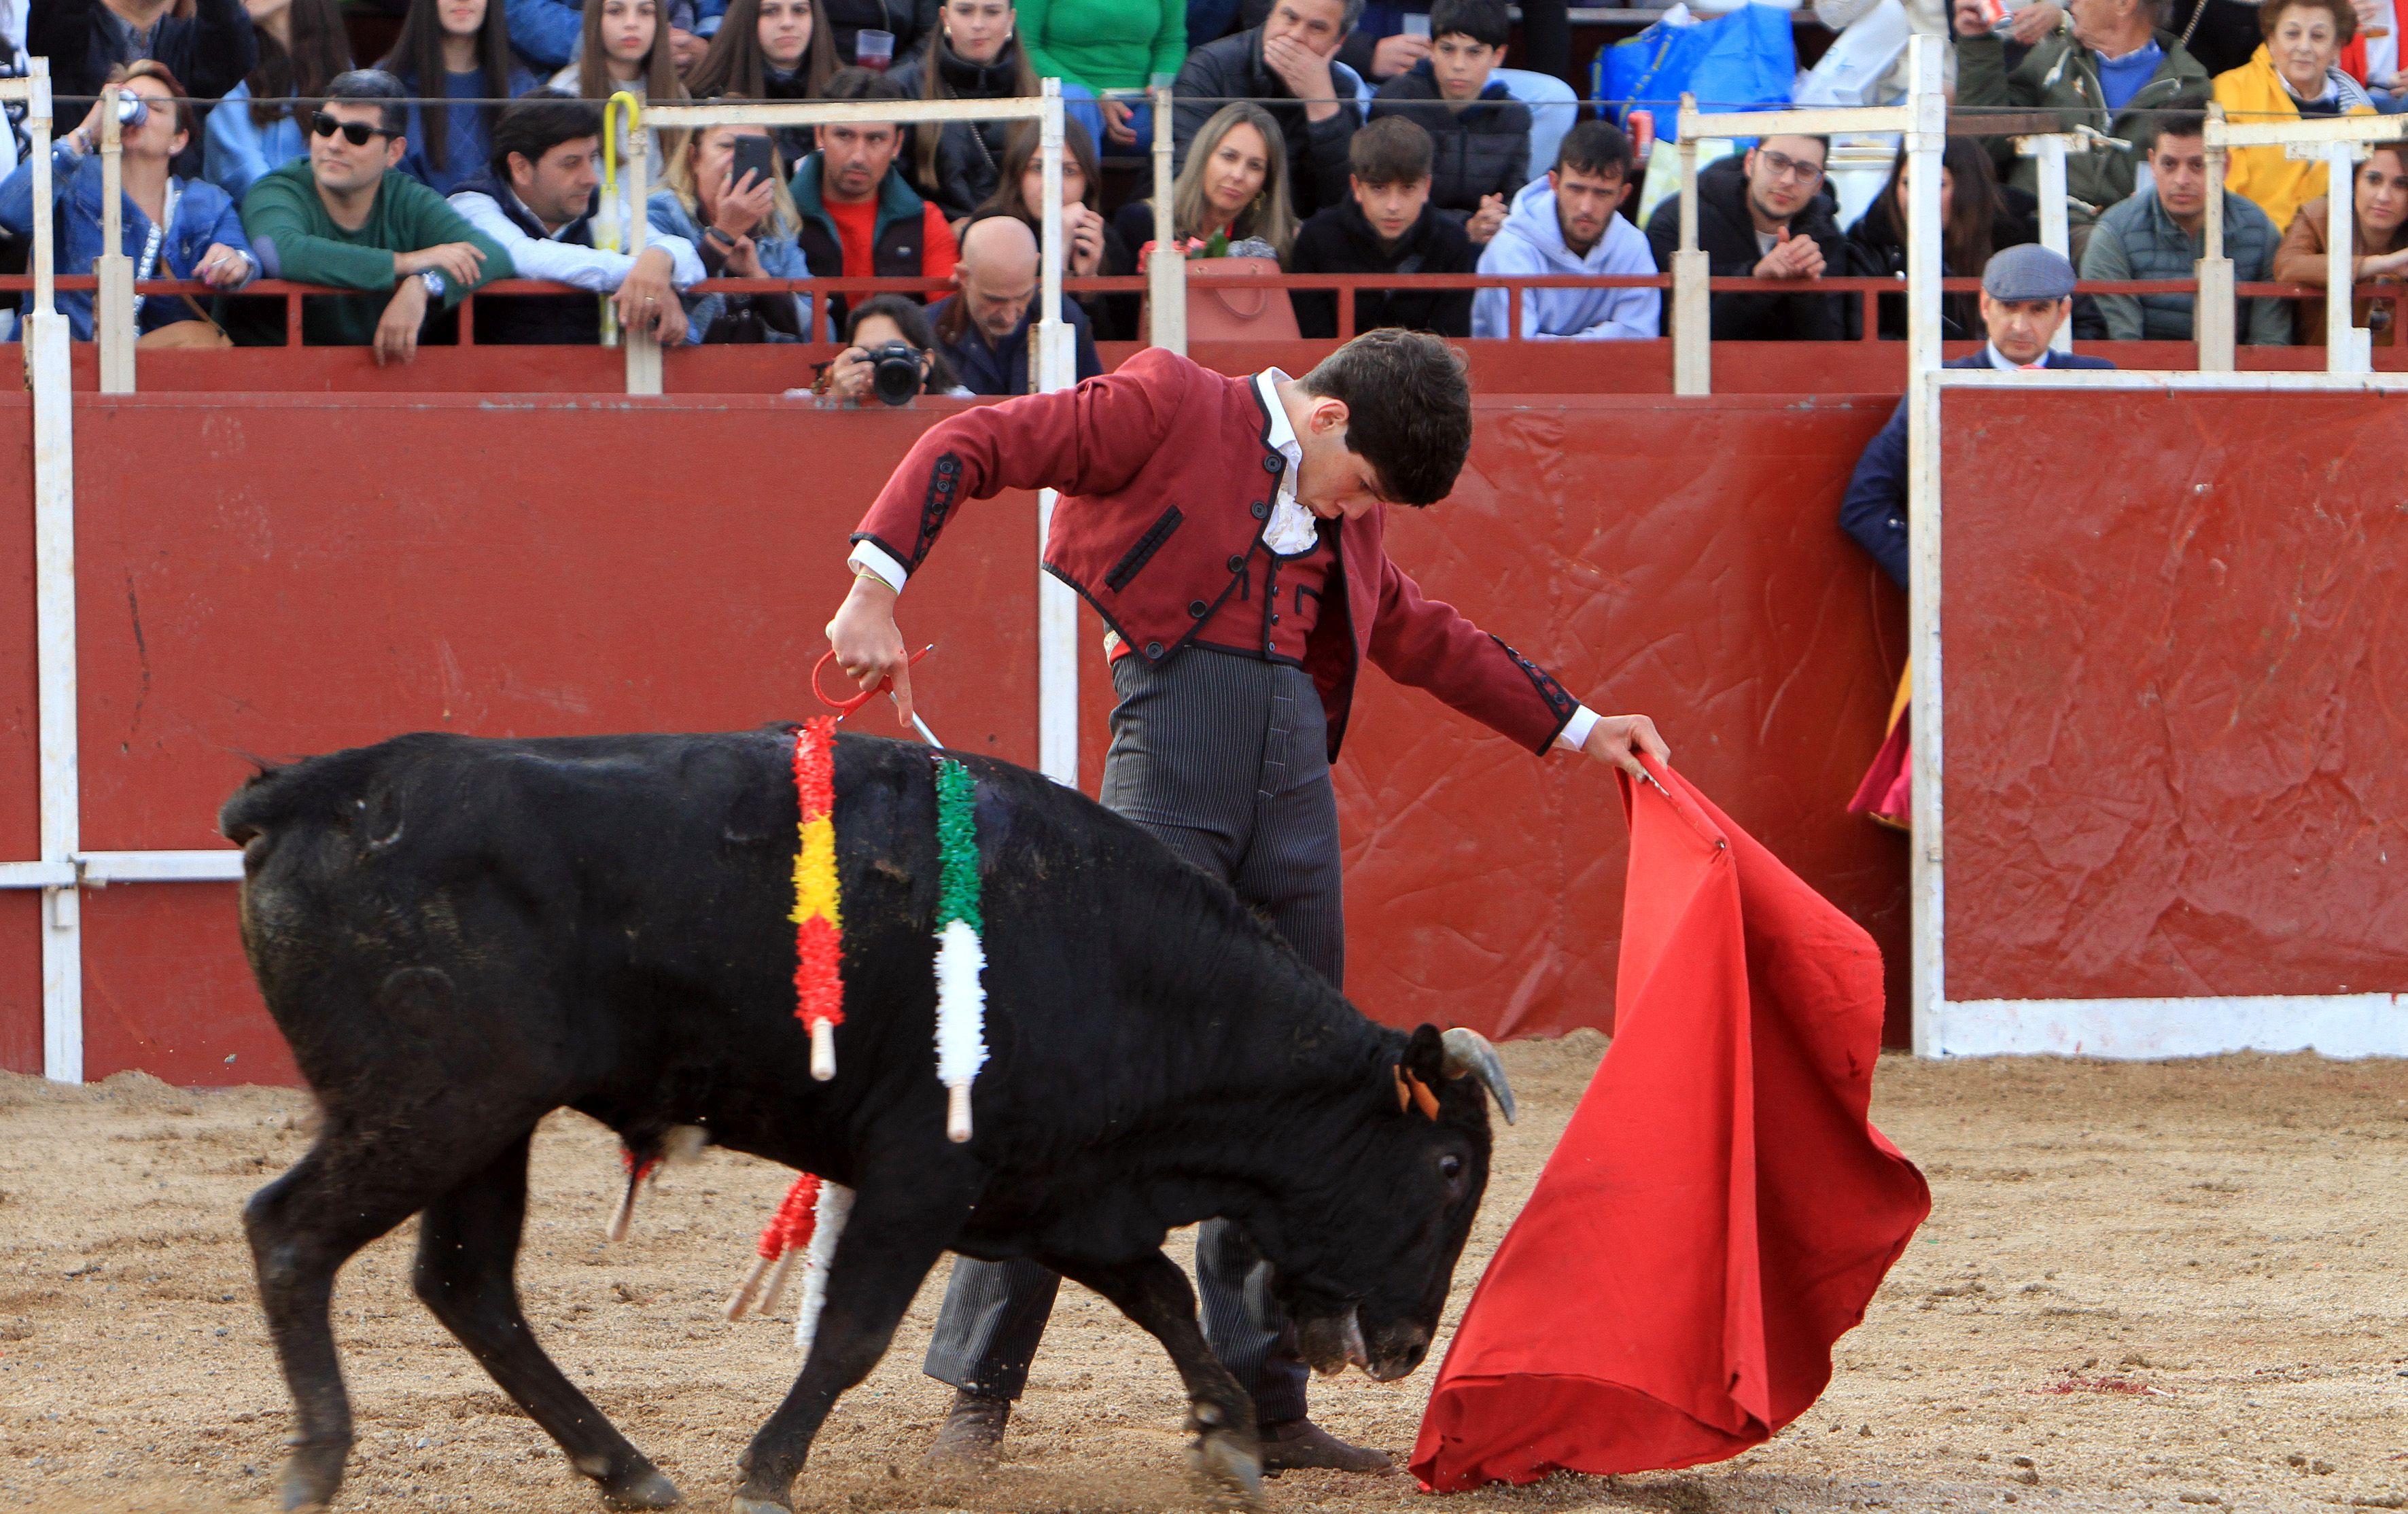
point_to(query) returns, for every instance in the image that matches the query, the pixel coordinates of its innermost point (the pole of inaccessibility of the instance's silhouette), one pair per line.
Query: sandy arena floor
(2224, 1236)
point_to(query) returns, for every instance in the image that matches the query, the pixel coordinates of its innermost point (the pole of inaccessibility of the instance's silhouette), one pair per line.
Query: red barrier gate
(2177, 698)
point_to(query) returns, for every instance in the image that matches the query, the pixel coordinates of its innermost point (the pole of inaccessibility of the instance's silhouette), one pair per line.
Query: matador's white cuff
(878, 560)
(1574, 736)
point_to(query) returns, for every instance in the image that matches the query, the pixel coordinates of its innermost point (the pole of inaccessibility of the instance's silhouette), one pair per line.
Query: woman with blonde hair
(1233, 190)
(743, 228)
(2296, 73)
(624, 46)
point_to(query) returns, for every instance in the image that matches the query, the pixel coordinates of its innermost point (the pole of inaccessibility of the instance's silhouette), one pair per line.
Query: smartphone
(754, 154)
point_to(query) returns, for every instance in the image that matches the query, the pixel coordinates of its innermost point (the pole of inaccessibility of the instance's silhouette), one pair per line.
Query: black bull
(458, 936)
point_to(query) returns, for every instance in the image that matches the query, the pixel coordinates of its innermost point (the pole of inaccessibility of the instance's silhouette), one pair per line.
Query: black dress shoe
(1294, 1444)
(972, 1435)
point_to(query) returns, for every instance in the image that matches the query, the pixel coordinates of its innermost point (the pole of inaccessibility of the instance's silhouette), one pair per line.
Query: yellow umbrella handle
(624, 100)
(607, 237)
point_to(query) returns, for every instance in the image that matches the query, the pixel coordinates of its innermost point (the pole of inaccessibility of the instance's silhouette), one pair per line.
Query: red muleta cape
(1719, 1210)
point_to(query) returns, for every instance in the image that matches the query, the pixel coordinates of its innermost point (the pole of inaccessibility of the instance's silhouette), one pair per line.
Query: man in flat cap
(2027, 293)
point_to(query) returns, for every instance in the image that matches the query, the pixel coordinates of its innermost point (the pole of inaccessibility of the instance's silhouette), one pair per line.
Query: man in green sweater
(346, 216)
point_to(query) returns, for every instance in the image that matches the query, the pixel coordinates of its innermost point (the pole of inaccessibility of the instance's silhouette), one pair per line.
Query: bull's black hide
(458, 936)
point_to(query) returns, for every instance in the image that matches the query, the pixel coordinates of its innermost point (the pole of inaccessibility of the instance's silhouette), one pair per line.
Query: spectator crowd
(1311, 137)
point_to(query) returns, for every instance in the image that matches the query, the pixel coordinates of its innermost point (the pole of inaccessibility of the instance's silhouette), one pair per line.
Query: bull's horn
(1468, 1054)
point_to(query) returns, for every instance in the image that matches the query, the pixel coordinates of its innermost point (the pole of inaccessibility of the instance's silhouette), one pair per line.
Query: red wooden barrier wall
(277, 574)
(2177, 694)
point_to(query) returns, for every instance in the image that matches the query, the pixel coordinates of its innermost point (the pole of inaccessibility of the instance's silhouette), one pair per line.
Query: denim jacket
(780, 259)
(204, 214)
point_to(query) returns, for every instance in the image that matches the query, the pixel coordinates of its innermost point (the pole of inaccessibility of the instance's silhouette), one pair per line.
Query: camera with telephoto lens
(894, 371)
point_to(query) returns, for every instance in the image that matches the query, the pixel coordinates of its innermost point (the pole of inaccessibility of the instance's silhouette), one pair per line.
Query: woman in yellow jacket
(2291, 74)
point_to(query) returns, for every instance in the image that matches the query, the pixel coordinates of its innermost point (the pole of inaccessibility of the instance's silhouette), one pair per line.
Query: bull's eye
(1450, 1167)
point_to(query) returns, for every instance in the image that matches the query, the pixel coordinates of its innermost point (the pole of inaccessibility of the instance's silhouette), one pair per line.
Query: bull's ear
(1424, 1057)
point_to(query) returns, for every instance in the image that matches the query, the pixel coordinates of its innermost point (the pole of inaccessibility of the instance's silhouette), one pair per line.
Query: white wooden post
(2213, 315)
(1057, 608)
(1166, 272)
(1924, 143)
(2347, 349)
(50, 375)
(643, 348)
(113, 304)
(2055, 234)
(1692, 301)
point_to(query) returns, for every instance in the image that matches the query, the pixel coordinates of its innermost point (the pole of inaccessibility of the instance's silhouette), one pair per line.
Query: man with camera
(889, 357)
(983, 326)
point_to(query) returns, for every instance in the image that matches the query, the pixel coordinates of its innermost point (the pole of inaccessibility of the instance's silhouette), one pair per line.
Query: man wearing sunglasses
(346, 216)
(1765, 216)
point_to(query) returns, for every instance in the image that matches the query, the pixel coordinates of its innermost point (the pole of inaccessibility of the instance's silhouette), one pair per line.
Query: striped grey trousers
(1223, 757)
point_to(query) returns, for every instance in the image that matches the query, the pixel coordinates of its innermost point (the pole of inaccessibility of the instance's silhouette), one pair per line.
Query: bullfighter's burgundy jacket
(1167, 475)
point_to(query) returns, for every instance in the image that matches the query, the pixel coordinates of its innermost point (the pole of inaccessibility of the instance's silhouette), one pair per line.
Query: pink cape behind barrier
(1719, 1210)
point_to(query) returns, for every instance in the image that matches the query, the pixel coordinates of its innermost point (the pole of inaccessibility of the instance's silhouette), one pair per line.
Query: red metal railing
(1869, 290)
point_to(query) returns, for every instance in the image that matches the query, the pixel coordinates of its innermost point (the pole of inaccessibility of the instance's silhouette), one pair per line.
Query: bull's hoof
(1230, 1471)
(647, 1488)
(744, 1504)
(311, 1474)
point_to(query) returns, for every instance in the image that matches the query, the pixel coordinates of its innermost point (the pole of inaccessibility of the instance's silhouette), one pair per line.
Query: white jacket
(1531, 241)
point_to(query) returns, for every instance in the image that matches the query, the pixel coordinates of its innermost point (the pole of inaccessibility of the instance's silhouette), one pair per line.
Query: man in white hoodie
(1571, 223)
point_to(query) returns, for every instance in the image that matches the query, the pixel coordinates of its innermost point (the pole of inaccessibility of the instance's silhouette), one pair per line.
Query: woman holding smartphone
(725, 193)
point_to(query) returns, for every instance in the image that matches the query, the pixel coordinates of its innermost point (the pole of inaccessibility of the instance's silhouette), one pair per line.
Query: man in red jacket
(1242, 517)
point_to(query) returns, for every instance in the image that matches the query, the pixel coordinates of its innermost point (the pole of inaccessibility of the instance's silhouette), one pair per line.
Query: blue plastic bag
(1742, 60)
